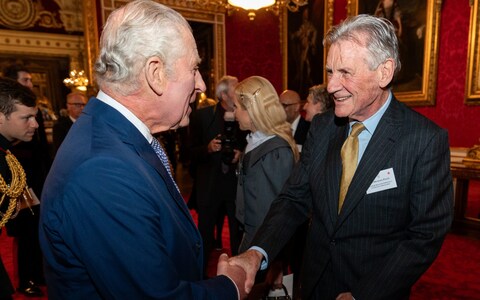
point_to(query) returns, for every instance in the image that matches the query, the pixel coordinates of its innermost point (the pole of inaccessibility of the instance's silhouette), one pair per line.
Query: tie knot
(357, 128)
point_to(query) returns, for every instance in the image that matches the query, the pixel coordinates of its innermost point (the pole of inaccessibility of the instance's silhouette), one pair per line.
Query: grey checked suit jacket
(380, 243)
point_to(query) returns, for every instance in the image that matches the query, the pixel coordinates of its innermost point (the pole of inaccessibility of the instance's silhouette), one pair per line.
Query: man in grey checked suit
(398, 207)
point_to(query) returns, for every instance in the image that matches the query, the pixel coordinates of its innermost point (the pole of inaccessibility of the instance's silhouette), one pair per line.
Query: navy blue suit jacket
(113, 225)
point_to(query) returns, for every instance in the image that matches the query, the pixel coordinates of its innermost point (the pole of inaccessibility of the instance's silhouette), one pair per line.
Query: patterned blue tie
(163, 158)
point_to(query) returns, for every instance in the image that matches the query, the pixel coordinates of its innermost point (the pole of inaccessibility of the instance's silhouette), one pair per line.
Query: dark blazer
(60, 130)
(381, 242)
(6, 287)
(206, 123)
(113, 224)
(263, 172)
(301, 131)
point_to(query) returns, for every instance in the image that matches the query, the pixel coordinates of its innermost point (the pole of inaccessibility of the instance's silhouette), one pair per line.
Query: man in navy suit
(114, 224)
(398, 206)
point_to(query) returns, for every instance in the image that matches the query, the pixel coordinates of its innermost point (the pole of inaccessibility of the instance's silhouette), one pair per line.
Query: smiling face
(358, 91)
(20, 124)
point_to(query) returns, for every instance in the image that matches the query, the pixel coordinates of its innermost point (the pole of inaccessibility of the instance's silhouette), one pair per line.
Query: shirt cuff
(264, 263)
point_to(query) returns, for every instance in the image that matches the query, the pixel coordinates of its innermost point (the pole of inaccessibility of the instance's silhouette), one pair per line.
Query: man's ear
(155, 74)
(385, 72)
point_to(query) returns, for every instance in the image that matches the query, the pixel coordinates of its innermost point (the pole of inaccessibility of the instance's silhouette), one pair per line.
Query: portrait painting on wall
(303, 52)
(416, 26)
(472, 95)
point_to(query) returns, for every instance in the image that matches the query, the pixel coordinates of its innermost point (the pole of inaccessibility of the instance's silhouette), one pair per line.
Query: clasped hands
(241, 269)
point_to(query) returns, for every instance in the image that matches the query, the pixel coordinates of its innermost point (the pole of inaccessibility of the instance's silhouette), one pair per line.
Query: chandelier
(276, 6)
(77, 80)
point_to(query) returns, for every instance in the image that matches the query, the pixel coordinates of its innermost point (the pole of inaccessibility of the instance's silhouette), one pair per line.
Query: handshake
(241, 270)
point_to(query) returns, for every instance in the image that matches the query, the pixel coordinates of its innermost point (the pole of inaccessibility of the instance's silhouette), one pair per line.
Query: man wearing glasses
(292, 104)
(75, 103)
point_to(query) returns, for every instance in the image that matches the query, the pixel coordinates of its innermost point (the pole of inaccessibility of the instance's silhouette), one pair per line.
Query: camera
(228, 138)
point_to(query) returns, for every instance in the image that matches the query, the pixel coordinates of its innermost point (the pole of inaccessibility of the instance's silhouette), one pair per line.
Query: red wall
(253, 48)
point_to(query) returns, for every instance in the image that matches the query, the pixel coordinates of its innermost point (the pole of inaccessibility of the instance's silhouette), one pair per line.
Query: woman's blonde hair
(259, 98)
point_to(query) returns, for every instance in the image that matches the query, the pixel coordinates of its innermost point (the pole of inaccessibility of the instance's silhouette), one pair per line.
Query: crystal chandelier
(77, 80)
(276, 6)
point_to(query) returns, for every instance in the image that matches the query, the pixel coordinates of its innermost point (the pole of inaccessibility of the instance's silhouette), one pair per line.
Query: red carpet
(454, 275)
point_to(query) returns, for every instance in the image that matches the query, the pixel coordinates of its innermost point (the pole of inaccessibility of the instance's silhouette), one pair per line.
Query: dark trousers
(24, 228)
(6, 288)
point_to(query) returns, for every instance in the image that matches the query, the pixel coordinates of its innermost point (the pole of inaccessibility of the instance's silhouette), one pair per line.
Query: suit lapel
(374, 159)
(146, 152)
(130, 135)
(333, 170)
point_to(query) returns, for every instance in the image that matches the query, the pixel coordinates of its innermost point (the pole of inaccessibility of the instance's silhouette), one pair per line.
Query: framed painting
(417, 26)
(303, 54)
(472, 93)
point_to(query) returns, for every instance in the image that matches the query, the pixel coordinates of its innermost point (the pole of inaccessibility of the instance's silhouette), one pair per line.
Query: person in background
(292, 104)
(318, 101)
(374, 237)
(114, 224)
(213, 165)
(17, 123)
(76, 101)
(35, 158)
(269, 157)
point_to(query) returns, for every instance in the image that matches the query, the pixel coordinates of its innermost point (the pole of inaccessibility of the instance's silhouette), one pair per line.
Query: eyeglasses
(285, 105)
(77, 104)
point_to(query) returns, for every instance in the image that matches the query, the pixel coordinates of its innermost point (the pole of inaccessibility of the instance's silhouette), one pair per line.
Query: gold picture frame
(417, 23)
(472, 90)
(319, 13)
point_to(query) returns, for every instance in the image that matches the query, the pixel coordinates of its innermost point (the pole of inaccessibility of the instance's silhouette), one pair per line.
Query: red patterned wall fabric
(450, 112)
(253, 48)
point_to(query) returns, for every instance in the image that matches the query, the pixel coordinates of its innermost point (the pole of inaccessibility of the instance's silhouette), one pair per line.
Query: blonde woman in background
(268, 159)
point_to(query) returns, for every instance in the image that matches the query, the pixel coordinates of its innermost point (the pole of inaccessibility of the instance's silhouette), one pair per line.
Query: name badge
(385, 180)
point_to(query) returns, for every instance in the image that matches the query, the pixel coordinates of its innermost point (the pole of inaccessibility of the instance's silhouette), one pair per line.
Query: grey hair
(320, 94)
(134, 33)
(380, 38)
(222, 85)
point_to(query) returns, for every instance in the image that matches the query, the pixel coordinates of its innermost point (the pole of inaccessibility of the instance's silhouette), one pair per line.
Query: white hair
(381, 40)
(134, 33)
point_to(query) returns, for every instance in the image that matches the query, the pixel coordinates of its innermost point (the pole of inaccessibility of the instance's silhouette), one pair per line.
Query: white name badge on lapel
(385, 180)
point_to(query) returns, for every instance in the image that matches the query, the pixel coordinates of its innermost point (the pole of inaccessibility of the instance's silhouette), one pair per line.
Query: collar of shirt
(255, 139)
(72, 119)
(127, 114)
(370, 126)
(294, 124)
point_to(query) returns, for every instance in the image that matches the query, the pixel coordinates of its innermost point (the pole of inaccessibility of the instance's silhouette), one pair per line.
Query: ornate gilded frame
(425, 95)
(284, 36)
(472, 91)
(192, 10)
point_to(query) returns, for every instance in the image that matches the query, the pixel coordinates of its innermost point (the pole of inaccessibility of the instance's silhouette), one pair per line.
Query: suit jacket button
(332, 242)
